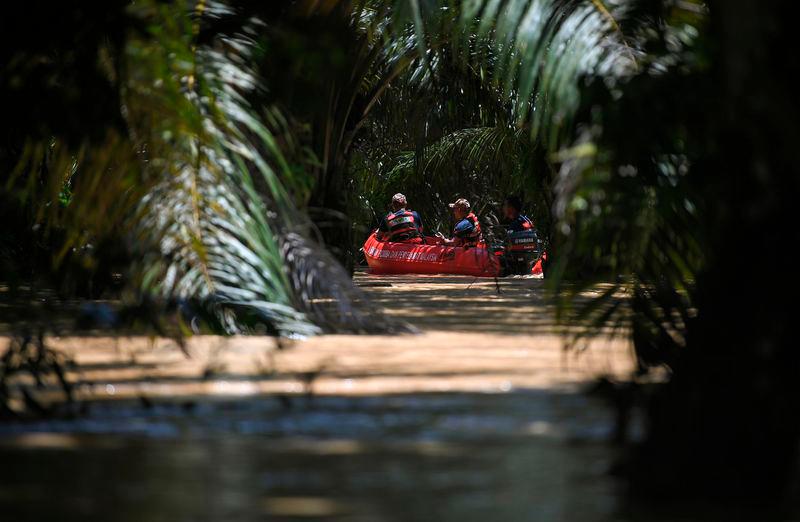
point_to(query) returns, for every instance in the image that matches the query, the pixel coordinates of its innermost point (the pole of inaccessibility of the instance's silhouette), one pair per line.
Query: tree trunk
(328, 210)
(728, 423)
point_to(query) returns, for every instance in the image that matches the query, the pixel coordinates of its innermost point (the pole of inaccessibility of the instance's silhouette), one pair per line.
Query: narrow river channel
(480, 416)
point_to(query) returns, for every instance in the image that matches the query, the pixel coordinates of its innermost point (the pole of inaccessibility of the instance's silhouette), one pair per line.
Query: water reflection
(457, 424)
(520, 456)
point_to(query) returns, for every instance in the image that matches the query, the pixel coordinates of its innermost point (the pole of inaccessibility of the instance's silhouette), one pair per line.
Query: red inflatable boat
(384, 257)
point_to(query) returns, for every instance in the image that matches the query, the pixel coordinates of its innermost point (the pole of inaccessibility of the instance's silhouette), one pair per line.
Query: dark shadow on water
(522, 455)
(463, 303)
(541, 455)
(379, 371)
(410, 457)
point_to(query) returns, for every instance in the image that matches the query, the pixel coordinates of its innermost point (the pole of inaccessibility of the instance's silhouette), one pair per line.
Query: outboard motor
(522, 250)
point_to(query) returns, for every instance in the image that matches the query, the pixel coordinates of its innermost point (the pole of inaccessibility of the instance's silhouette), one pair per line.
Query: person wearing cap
(515, 220)
(401, 225)
(467, 231)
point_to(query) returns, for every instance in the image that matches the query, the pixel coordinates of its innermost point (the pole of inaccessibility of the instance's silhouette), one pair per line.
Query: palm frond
(631, 212)
(228, 242)
(196, 178)
(538, 52)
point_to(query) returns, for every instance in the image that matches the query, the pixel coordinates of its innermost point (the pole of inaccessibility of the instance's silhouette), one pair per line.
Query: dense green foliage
(230, 124)
(202, 152)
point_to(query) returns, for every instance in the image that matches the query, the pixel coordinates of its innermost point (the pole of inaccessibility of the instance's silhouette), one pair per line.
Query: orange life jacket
(475, 235)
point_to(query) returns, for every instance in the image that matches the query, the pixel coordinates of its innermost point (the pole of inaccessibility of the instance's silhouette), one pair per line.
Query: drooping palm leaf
(628, 208)
(231, 243)
(202, 176)
(538, 52)
(540, 55)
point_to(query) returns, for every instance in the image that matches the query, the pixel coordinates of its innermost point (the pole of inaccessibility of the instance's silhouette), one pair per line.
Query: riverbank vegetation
(226, 160)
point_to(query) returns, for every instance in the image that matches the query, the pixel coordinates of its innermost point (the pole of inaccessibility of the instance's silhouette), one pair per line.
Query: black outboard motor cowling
(523, 249)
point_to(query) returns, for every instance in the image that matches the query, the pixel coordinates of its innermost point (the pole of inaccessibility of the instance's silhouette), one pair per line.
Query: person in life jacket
(467, 231)
(523, 247)
(515, 220)
(401, 225)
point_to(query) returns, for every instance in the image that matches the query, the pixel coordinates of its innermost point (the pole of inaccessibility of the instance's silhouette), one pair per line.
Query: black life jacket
(402, 226)
(521, 223)
(523, 241)
(522, 236)
(523, 247)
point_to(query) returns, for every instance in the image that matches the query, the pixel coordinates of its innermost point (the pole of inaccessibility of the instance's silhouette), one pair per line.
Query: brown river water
(481, 416)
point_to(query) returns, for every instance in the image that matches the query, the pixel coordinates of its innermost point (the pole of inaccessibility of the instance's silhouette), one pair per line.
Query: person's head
(460, 208)
(398, 201)
(512, 206)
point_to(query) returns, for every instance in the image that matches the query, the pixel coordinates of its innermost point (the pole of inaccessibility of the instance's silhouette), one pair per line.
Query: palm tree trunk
(328, 209)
